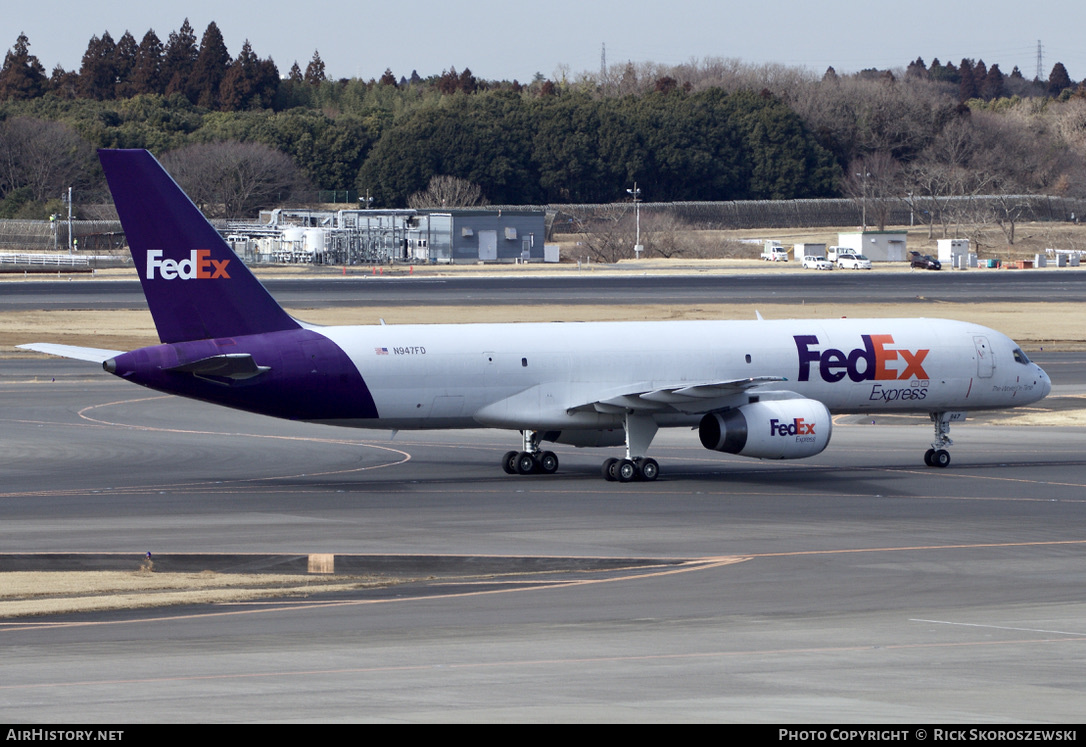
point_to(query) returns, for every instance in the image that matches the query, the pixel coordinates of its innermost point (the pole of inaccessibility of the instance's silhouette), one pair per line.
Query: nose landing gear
(937, 455)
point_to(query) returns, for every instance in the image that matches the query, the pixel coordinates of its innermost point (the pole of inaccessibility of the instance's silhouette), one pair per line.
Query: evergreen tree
(1058, 80)
(967, 86)
(944, 73)
(64, 84)
(98, 73)
(179, 59)
(209, 69)
(917, 69)
(980, 72)
(249, 82)
(295, 74)
(147, 73)
(449, 82)
(267, 83)
(314, 71)
(388, 79)
(992, 88)
(22, 76)
(125, 56)
(467, 82)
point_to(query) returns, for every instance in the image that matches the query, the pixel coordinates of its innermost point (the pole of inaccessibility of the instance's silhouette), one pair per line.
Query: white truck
(774, 252)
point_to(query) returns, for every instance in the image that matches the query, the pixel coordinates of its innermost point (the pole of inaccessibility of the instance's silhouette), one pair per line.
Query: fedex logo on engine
(877, 360)
(199, 266)
(797, 427)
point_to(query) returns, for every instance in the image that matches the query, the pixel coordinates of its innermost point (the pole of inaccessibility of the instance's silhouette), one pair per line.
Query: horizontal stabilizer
(94, 355)
(237, 366)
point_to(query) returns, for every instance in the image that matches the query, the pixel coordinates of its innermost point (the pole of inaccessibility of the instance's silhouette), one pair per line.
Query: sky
(500, 40)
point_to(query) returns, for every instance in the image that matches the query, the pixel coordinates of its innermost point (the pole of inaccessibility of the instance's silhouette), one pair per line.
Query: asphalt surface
(855, 586)
(766, 285)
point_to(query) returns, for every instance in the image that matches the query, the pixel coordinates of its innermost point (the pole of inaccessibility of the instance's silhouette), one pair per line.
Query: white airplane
(758, 388)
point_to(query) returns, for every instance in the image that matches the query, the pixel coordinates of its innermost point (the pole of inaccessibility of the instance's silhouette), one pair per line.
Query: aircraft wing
(686, 397)
(94, 355)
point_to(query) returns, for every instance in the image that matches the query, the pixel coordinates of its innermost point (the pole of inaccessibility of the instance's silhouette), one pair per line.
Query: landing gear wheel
(509, 462)
(927, 457)
(625, 471)
(526, 463)
(608, 469)
(941, 458)
(548, 462)
(649, 469)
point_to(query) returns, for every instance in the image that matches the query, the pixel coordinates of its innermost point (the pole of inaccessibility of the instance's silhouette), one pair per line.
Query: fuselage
(540, 375)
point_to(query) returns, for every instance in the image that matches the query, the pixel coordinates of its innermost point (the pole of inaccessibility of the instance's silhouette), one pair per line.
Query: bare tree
(943, 172)
(232, 180)
(1021, 158)
(447, 192)
(875, 182)
(607, 231)
(45, 157)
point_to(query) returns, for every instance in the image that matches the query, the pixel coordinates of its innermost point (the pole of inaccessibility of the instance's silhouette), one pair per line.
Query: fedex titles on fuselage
(877, 360)
(199, 266)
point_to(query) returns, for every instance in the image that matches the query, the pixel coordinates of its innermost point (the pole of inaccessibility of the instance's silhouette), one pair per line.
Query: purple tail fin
(196, 286)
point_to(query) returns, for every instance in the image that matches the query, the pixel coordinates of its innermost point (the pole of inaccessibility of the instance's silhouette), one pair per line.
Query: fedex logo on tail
(199, 266)
(877, 360)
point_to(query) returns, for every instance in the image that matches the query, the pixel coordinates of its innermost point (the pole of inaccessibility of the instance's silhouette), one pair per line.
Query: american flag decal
(381, 351)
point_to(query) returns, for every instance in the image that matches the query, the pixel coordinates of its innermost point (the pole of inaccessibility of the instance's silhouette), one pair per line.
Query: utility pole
(864, 176)
(636, 193)
(69, 221)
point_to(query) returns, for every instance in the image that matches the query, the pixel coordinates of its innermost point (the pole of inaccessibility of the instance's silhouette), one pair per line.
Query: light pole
(636, 194)
(864, 176)
(69, 220)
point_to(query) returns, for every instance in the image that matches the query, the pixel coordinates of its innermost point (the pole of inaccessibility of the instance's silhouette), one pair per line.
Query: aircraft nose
(1046, 382)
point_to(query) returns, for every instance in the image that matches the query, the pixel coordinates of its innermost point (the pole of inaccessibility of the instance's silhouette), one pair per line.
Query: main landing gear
(627, 470)
(532, 460)
(937, 455)
(640, 430)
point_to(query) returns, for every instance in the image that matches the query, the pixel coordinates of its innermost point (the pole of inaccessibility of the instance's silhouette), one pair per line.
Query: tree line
(708, 130)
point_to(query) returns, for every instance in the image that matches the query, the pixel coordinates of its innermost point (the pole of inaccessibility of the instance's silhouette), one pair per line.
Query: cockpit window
(1020, 357)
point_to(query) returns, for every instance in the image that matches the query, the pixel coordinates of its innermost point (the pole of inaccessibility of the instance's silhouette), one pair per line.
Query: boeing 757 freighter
(757, 388)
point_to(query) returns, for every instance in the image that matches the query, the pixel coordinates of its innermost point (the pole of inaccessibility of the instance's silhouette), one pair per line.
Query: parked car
(816, 263)
(924, 261)
(853, 262)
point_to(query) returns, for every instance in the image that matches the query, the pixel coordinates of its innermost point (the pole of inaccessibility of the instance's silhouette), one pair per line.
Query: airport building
(878, 246)
(349, 237)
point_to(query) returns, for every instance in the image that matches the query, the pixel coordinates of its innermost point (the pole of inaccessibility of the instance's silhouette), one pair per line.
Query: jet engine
(776, 429)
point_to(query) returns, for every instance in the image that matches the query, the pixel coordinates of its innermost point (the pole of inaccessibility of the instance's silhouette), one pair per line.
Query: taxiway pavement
(856, 586)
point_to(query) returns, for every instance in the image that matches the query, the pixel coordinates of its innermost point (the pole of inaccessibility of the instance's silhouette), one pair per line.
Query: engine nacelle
(777, 429)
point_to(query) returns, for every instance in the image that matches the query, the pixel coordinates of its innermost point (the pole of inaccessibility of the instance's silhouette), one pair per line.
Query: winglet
(196, 287)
